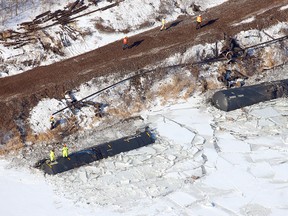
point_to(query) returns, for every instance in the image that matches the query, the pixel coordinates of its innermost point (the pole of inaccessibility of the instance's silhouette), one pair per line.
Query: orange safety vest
(125, 40)
(199, 19)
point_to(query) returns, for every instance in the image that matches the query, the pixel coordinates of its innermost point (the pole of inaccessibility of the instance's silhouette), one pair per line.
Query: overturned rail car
(95, 153)
(232, 99)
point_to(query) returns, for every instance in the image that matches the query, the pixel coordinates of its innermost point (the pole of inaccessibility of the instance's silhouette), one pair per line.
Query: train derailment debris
(231, 49)
(232, 79)
(235, 98)
(75, 105)
(98, 152)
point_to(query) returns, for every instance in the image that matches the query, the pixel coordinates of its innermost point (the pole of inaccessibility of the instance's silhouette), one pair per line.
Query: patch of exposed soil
(20, 93)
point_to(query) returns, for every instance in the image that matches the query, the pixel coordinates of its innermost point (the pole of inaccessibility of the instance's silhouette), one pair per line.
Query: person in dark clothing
(52, 122)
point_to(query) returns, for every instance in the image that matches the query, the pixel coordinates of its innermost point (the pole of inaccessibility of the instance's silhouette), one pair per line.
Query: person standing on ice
(52, 155)
(65, 151)
(163, 22)
(125, 43)
(198, 21)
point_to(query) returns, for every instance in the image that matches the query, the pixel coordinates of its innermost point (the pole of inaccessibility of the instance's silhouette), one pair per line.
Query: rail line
(205, 61)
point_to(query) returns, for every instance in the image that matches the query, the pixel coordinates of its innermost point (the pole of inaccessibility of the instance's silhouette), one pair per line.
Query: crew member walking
(52, 155)
(125, 43)
(198, 21)
(65, 151)
(163, 21)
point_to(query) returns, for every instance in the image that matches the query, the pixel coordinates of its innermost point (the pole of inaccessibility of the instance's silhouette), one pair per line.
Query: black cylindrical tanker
(235, 98)
(95, 153)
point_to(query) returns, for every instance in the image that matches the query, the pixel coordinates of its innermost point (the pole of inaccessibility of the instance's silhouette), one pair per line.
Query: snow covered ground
(204, 162)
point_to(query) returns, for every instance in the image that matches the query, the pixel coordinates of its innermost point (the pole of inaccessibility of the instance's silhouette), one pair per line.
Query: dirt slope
(19, 93)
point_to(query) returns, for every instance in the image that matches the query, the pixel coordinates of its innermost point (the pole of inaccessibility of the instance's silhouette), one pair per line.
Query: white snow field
(204, 162)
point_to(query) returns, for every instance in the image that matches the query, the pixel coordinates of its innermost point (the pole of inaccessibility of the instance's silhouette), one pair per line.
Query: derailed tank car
(235, 98)
(97, 152)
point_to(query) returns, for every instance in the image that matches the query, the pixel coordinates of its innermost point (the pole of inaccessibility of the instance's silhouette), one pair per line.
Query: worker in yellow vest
(163, 21)
(65, 151)
(52, 155)
(198, 21)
